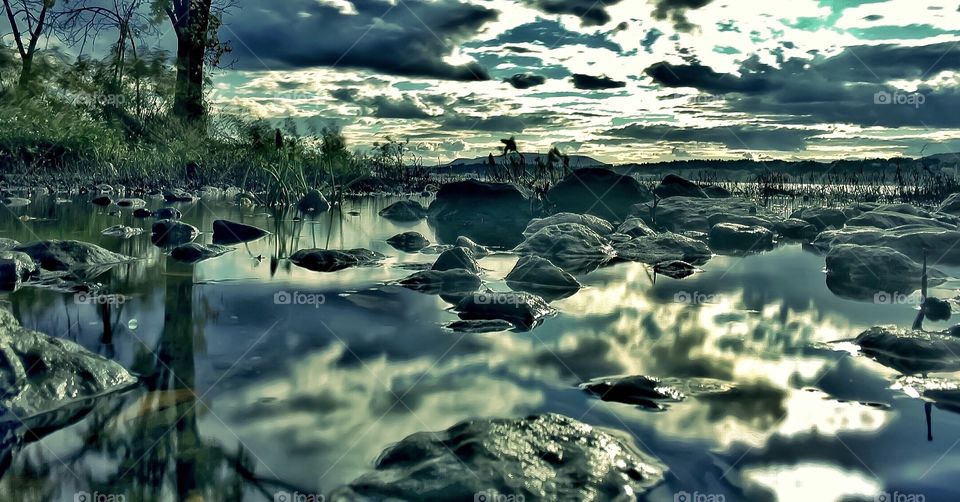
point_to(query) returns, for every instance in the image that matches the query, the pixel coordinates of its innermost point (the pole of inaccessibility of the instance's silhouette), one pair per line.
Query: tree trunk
(191, 51)
(26, 74)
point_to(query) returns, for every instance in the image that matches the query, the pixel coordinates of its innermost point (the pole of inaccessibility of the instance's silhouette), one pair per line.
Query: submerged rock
(103, 200)
(598, 225)
(167, 213)
(640, 390)
(568, 245)
(409, 242)
(178, 195)
(675, 269)
(194, 252)
(676, 186)
(325, 260)
(524, 310)
(664, 247)
(480, 326)
(911, 351)
(72, 256)
(229, 232)
(736, 237)
(404, 210)
(540, 457)
(477, 250)
(132, 203)
(313, 202)
(492, 214)
(142, 213)
(122, 231)
(442, 282)
(40, 374)
(538, 275)
(456, 258)
(863, 272)
(598, 191)
(16, 202)
(682, 214)
(15, 267)
(173, 233)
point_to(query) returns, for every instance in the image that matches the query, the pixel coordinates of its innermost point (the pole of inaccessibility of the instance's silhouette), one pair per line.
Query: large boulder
(194, 252)
(663, 247)
(80, 259)
(864, 272)
(40, 374)
(938, 244)
(477, 250)
(680, 214)
(524, 310)
(537, 275)
(313, 202)
(795, 228)
(327, 260)
(404, 210)
(409, 242)
(15, 267)
(821, 217)
(598, 225)
(456, 258)
(676, 186)
(229, 232)
(492, 214)
(736, 237)
(568, 245)
(598, 191)
(951, 205)
(540, 457)
(635, 227)
(890, 219)
(911, 351)
(166, 233)
(740, 219)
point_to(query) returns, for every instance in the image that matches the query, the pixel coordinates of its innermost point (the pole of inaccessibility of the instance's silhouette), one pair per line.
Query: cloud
(589, 82)
(676, 11)
(525, 80)
(345, 94)
(404, 108)
(590, 12)
(409, 40)
(735, 137)
(498, 123)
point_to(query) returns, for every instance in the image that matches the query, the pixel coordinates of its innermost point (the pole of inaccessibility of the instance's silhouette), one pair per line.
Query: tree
(29, 20)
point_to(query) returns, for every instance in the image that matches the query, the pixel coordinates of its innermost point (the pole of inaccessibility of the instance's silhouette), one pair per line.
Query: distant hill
(476, 165)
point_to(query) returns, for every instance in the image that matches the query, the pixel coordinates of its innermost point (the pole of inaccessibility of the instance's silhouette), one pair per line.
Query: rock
(442, 282)
(324, 260)
(78, 258)
(230, 232)
(643, 391)
(313, 202)
(15, 267)
(939, 244)
(132, 203)
(889, 219)
(682, 214)
(122, 231)
(598, 225)
(951, 205)
(173, 233)
(736, 237)
(821, 217)
(16, 202)
(142, 213)
(524, 310)
(540, 457)
(404, 210)
(936, 310)
(795, 228)
(457, 258)
(740, 219)
(568, 245)
(477, 250)
(194, 252)
(178, 195)
(537, 275)
(598, 191)
(40, 374)
(662, 248)
(167, 213)
(104, 188)
(102, 201)
(409, 242)
(480, 326)
(492, 214)
(675, 269)
(7, 244)
(676, 186)
(635, 227)
(716, 192)
(436, 249)
(911, 351)
(864, 272)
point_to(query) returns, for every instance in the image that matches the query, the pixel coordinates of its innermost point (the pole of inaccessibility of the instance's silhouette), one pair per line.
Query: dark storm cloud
(505, 124)
(676, 11)
(734, 137)
(347, 95)
(590, 12)
(850, 87)
(404, 108)
(409, 39)
(525, 80)
(591, 83)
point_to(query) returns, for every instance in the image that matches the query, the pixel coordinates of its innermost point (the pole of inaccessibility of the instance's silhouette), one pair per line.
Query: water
(244, 397)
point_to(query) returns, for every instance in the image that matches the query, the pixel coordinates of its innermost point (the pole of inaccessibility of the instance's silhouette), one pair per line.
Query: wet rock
(524, 310)
(404, 210)
(540, 457)
(477, 250)
(936, 310)
(178, 195)
(173, 233)
(442, 282)
(598, 191)
(313, 202)
(102, 201)
(457, 258)
(6, 244)
(324, 260)
(740, 219)
(122, 231)
(675, 269)
(951, 205)
(795, 228)
(229, 232)
(635, 227)
(194, 252)
(889, 219)
(78, 258)
(142, 213)
(568, 245)
(941, 245)
(911, 351)
(492, 214)
(15, 202)
(41, 374)
(676, 186)
(16, 267)
(132, 203)
(167, 213)
(821, 217)
(598, 225)
(736, 237)
(409, 242)
(537, 275)
(640, 390)
(716, 192)
(863, 272)
(681, 214)
(664, 247)
(436, 249)
(480, 326)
